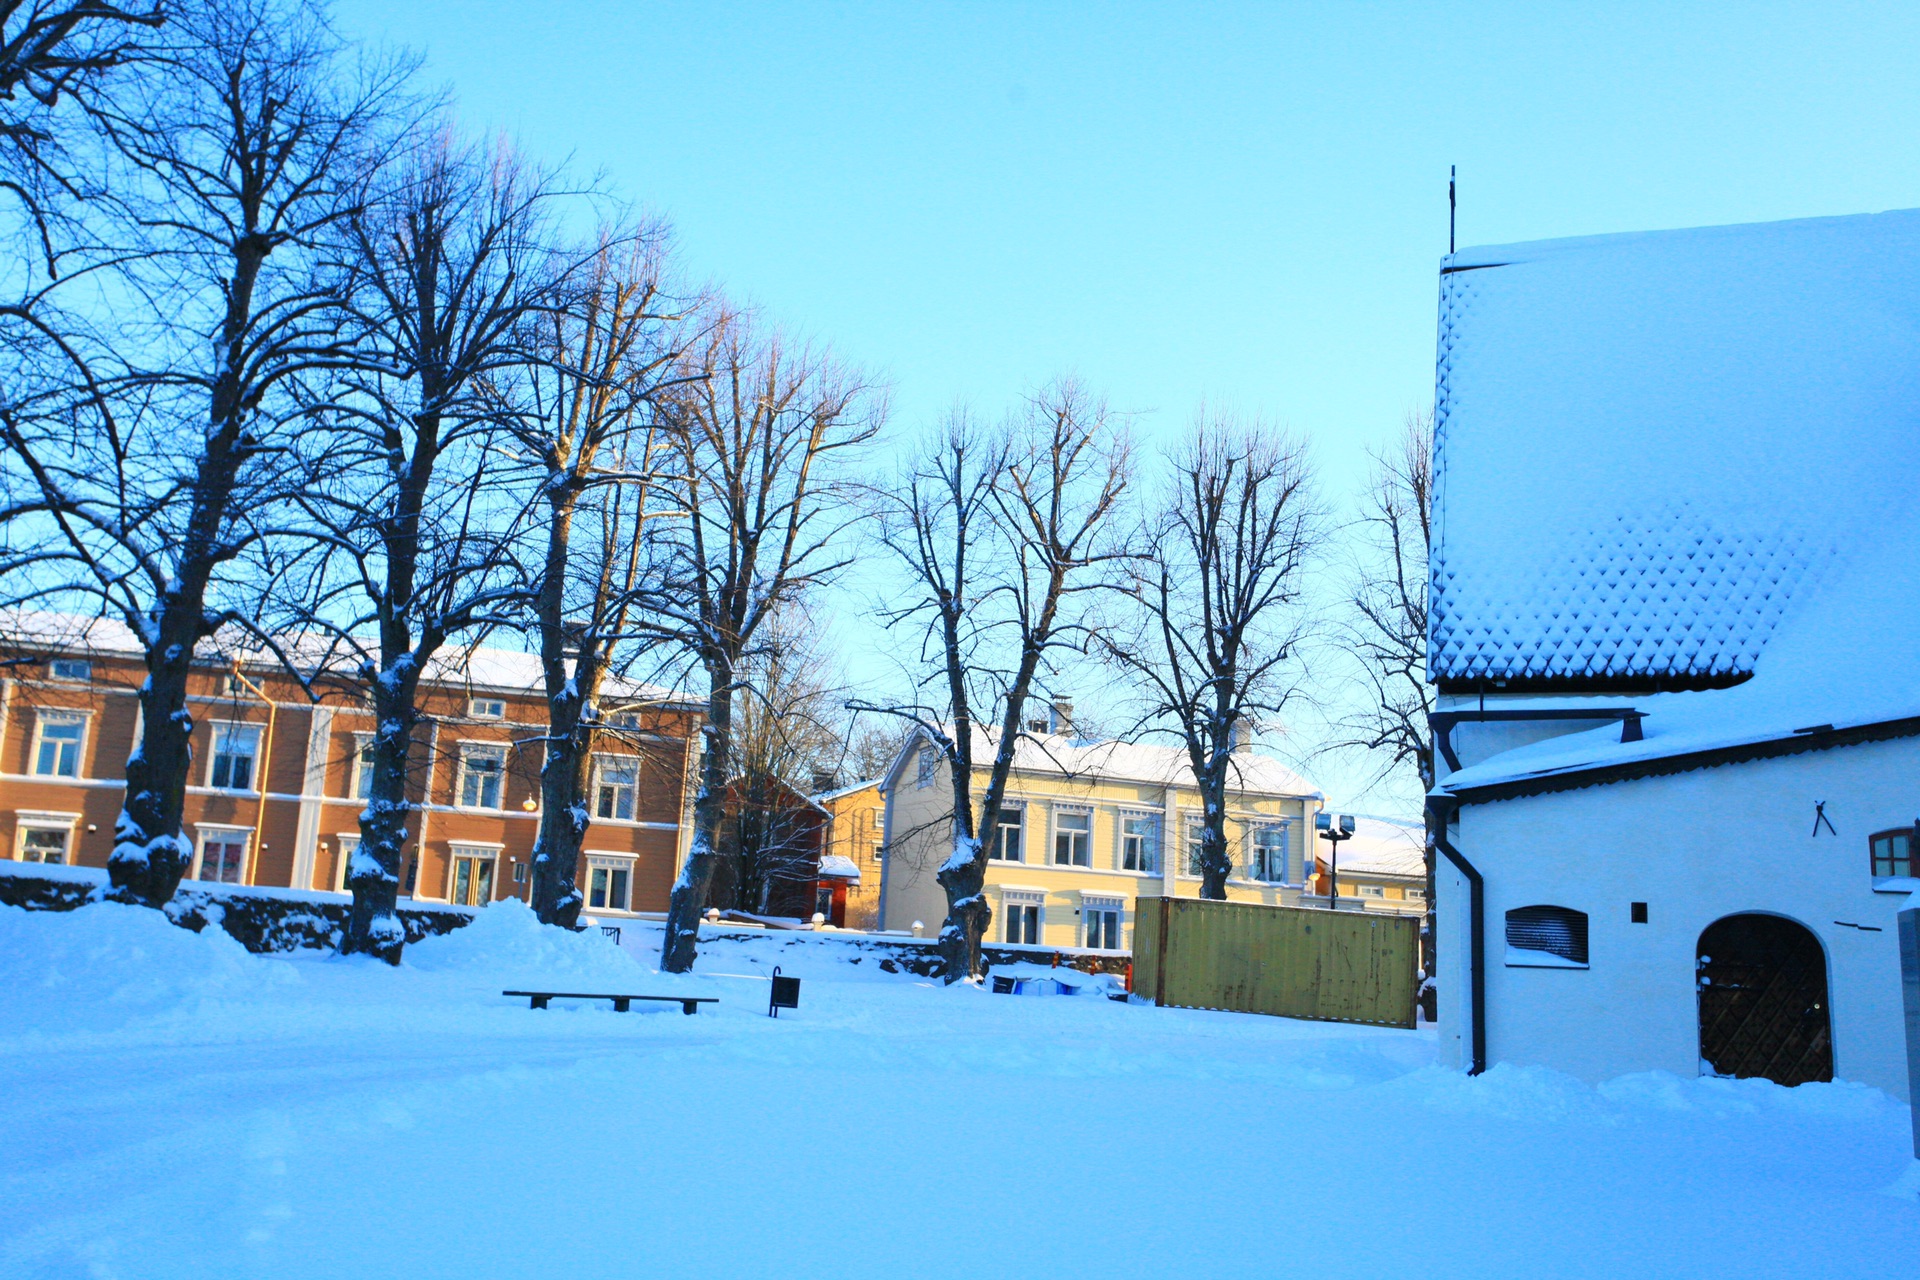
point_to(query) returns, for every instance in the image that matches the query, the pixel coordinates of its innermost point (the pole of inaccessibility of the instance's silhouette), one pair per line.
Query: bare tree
(1384, 630)
(1215, 642)
(785, 733)
(454, 256)
(755, 439)
(155, 483)
(54, 53)
(1002, 533)
(604, 358)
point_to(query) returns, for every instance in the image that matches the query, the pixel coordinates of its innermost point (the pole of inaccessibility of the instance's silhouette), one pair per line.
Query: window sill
(1896, 884)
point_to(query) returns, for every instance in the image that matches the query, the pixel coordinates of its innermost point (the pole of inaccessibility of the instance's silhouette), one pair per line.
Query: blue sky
(1243, 203)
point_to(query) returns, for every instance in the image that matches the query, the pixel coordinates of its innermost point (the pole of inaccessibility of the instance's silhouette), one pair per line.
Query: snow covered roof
(836, 866)
(1381, 847)
(1108, 760)
(1655, 453)
(484, 668)
(842, 792)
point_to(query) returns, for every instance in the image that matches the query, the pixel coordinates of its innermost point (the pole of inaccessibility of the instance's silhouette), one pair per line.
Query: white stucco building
(1675, 628)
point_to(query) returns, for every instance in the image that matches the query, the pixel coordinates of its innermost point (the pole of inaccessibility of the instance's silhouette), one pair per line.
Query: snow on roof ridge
(516, 669)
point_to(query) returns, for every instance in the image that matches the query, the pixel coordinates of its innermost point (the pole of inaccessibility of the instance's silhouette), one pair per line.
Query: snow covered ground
(172, 1106)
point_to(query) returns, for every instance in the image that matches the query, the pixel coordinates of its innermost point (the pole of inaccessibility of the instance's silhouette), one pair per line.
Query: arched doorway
(1763, 1000)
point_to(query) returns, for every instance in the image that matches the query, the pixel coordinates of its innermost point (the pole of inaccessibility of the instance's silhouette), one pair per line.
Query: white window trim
(926, 767)
(473, 712)
(1007, 806)
(469, 746)
(459, 849)
(362, 739)
(65, 715)
(627, 862)
(600, 760)
(53, 674)
(1058, 810)
(1120, 819)
(1091, 902)
(201, 830)
(1284, 826)
(256, 773)
(340, 839)
(25, 820)
(1015, 896)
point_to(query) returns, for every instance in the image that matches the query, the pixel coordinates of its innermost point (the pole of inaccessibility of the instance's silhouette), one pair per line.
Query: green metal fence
(1335, 966)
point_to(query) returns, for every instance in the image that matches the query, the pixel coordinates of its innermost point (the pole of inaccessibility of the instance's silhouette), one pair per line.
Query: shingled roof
(1653, 450)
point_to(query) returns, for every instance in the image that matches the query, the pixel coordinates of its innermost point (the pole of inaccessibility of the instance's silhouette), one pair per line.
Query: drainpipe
(1439, 810)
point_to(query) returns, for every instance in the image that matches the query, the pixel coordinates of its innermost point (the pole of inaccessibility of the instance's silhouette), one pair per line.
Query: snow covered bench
(538, 999)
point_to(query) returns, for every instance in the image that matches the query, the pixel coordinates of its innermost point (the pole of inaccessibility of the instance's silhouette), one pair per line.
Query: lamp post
(1333, 832)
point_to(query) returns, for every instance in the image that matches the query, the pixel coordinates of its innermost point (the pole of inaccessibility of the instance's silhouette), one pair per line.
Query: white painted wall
(1695, 847)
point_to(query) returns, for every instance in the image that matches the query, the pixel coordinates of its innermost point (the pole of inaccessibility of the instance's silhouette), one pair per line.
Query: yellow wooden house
(1089, 827)
(855, 816)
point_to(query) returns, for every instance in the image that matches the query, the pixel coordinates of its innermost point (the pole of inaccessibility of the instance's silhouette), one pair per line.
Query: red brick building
(276, 787)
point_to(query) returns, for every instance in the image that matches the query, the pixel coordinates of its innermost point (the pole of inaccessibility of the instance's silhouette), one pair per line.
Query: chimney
(1243, 734)
(1062, 719)
(824, 780)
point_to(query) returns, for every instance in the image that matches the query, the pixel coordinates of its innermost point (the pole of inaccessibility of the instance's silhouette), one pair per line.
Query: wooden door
(1763, 1000)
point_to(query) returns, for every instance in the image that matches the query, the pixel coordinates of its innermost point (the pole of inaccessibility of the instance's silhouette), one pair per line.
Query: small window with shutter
(1546, 938)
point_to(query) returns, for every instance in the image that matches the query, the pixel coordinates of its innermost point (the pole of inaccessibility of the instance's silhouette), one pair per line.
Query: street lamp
(1333, 832)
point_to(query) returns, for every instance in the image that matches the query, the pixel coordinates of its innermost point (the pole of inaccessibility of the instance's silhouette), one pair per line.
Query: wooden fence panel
(1294, 962)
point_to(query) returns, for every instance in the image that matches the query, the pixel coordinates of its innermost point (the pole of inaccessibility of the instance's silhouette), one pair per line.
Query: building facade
(278, 780)
(1675, 630)
(856, 832)
(1084, 833)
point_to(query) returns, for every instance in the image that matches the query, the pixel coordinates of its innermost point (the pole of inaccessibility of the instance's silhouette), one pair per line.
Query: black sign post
(785, 994)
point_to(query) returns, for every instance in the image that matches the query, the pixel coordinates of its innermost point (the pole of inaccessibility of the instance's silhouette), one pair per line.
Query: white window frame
(1414, 893)
(1118, 906)
(468, 750)
(477, 850)
(610, 862)
(60, 715)
(360, 770)
(256, 770)
(1190, 840)
(486, 708)
(928, 765)
(600, 763)
(1375, 891)
(203, 831)
(1018, 808)
(1035, 898)
(1151, 842)
(25, 820)
(64, 669)
(344, 844)
(1254, 869)
(1053, 843)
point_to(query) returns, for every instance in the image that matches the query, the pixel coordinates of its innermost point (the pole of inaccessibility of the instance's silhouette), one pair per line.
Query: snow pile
(105, 965)
(507, 944)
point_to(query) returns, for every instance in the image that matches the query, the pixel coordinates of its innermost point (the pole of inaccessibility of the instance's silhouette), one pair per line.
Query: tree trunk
(564, 813)
(150, 856)
(1216, 864)
(964, 877)
(682, 942)
(373, 876)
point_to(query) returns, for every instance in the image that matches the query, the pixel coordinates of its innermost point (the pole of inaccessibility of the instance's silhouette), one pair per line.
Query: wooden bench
(538, 999)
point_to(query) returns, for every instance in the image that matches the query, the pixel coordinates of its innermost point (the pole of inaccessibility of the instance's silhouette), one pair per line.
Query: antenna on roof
(1452, 203)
